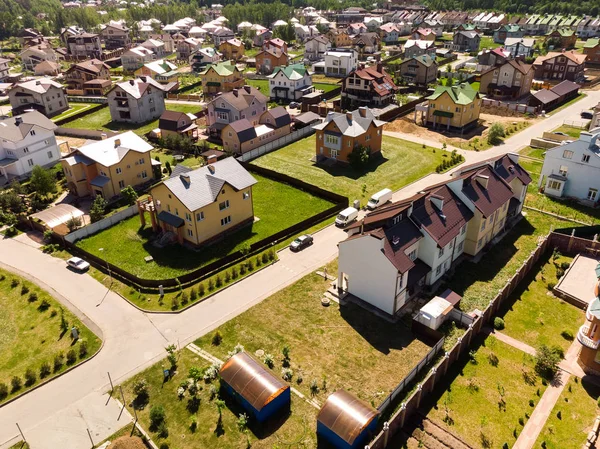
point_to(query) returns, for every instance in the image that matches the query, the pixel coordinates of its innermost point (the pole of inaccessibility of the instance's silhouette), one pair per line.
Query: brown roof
(509, 170)
(242, 98)
(486, 200)
(397, 239)
(92, 65)
(381, 81)
(577, 58)
(565, 87)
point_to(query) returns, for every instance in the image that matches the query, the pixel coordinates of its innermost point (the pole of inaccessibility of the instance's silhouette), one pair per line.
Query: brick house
(368, 86)
(559, 66)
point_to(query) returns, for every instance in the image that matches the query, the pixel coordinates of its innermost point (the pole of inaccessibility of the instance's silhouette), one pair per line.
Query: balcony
(584, 339)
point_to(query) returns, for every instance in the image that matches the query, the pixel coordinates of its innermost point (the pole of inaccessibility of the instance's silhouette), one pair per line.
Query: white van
(346, 217)
(379, 199)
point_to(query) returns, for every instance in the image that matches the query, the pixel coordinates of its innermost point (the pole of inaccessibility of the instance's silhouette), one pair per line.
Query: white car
(78, 264)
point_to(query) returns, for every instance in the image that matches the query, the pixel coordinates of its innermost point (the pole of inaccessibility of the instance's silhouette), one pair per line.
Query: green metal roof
(565, 32)
(441, 113)
(460, 94)
(292, 72)
(591, 43)
(170, 219)
(224, 68)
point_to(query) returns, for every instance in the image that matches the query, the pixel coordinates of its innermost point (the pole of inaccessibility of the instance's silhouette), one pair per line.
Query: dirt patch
(497, 111)
(72, 141)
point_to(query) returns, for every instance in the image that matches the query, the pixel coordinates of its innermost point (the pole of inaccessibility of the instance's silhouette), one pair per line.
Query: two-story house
(572, 170)
(340, 133)
(222, 34)
(32, 56)
(116, 36)
(466, 41)
(139, 100)
(273, 54)
(339, 38)
(27, 140)
(340, 61)
(242, 136)
(290, 83)
(246, 102)
(205, 204)
(84, 46)
(233, 49)
(4, 69)
(419, 70)
(591, 49)
(519, 47)
(163, 71)
(389, 33)
(108, 166)
(315, 48)
(88, 78)
(187, 47)
(178, 123)
(511, 80)
(368, 86)
(455, 107)
(506, 31)
(136, 57)
(203, 57)
(559, 66)
(366, 44)
(43, 95)
(563, 38)
(221, 77)
(423, 34)
(413, 48)
(156, 46)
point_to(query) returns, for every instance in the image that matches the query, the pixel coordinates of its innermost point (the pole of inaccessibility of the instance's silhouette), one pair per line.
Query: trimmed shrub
(15, 384)
(30, 377)
(201, 290)
(218, 281)
(3, 390)
(217, 338)
(184, 298)
(175, 303)
(45, 370)
(33, 297)
(157, 416)
(567, 335)
(211, 285)
(498, 323)
(44, 305)
(71, 357)
(59, 361)
(227, 277)
(83, 349)
(24, 290)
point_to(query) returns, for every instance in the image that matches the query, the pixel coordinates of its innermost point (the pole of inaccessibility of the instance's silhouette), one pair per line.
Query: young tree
(42, 181)
(98, 209)
(547, 360)
(496, 134)
(359, 157)
(130, 195)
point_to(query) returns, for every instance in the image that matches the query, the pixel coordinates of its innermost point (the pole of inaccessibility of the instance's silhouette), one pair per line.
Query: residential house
(548, 99)
(197, 32)
(434, 25)
(43, 95)
(27, 140)
(222, 34)
(155, 46)
(366, 44)
(179, 124)
(423, 34)
(262, 36)
(116, 36)
(83, 46)
(558, 66)
(315, 48)
(340, 61)
(26, 35)
(47, 68)
(506, 31)
(267, 60)
(88, 78)
(561, 39)
(169, 41)
(232, 49)
(454, 107)
(356, 28)
(368, 86)
(339, 38)
(204, 57)
(4, 69)
(373, 23)
(138, 100)
(340, 133)
(588, 27)
(591, 49)
(572, 170)
(290, 83)
(163, 71)
(32, 56)
(242, 136)
(389, 33)
(205, 204)
(419, 70)
(245, 103)
(187, 47)
(510, 80)
(413, 48)
(135, 58)
(519, 47)
(490, 58)
(221, 77)
(105, 167)
(466, 41)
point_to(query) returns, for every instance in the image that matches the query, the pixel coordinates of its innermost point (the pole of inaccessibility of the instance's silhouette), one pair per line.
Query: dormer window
(32, 132)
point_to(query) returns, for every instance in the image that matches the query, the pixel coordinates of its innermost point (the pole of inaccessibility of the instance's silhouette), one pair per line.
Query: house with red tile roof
(368, 86)
(423, 34)
(559, 66)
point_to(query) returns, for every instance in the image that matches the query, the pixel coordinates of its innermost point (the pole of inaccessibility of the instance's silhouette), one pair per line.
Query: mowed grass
(533, 316)
(263, 86)
(31, 333)
(277, 205)
(537, 153)
(295, 430)
(578, 407)
(101, 120)
(336, 347)
(403, 162)
(473, 393)
(570, 131)
(488, 42)
(74, 108)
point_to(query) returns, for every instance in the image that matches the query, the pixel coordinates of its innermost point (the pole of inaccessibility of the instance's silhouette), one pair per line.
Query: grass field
(578, 409)
(341, 347)
(277, 205)
(537, 318)
(295, 430)
(403, 162)
(471, 405)
(101, 120)
(31, 335)
(487, 42)
(74, 109)
(537, 153)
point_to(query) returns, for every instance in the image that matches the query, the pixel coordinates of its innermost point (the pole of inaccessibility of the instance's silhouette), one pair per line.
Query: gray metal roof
(205, 183)
(10, 130)
(100, 181)
(354, 127)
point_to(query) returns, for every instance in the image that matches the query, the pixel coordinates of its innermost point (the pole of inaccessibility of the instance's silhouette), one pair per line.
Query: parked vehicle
(346, 217)
(301, 242)
(587, 114)
(379, 199)
(78, 264)
(294, 105)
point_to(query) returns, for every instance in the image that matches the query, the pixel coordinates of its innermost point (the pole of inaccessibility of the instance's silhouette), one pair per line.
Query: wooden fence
(523, 108)
(276, 144)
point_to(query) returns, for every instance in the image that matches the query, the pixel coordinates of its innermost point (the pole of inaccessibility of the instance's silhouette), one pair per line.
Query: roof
(419, 43)
(545, 96)
(426, 60)
(58, 214)
(224, 68)
(354, 126)
(460, 94)
(577, 58)
(241, 98)
(205, 185)
(524, 41)
(170, 219)
(291, 72)
(169, 120)
(15, 132)
(100, 181)
(161, 66)
(565, 87)
(91, 65)
(251, 380)
(346, 416)
(47, 65)
(591, 43)
(138, 87)
(486, 200)
(381, 82)
(38, 86)
(179, 169)
(307, 117)
(281, 116)
(437, 307)
(509, 170)
(110, 151)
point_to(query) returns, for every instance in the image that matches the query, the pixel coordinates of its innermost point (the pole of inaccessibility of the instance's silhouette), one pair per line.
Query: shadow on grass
(339, 170)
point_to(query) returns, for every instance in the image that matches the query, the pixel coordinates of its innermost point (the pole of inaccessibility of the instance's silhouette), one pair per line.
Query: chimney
(235, 92)
(455, 88)
(185, 178)
(482, 180)
(131, 82)
(363, 111)
(211, 169)
(18, 120)
(38, 83)
(380, 67)
(349, 116)
(330, 116)
(247, 89)
(437, 201)
(117, 143)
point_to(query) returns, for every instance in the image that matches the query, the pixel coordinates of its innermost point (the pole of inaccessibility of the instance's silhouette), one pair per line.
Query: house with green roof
(290, 82)
(455, 108)
(420, 70)
(506, 31)
(561, 38)
(591, 48)
(221, 77)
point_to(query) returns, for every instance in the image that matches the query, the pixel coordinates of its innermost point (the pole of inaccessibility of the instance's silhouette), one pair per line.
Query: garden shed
(256, 389)
(346, 422)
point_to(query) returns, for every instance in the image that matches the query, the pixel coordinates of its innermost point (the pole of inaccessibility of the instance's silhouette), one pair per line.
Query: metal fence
(276, 144)
(100, 225)
(580, 124)
(523, 108)
(81, 99)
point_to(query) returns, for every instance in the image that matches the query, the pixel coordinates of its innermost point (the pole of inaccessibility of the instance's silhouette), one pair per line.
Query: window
(30, 162)
(438, 270)
(441, 252)
(483, 224)
(144, 174)
(585, 158)
(26, 150)
(554, 185)
(142, 161)
(413, 254)
(246, 195)
(592, 194)
(333, 140)
(32, 132)
(563, 170)
(190, 233)
(224, 205)
(121, 184)
(50, 155)
(118, 170)
(199, 216)
(460, 246)
(479, 243)
(226, 220)
(567, 154)
(463, 230)
(188, 217)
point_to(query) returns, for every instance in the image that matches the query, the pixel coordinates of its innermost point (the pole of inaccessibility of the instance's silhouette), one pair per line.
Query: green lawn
(569, 131)
(31, 334)
(165, 156)
(295, 430)
(471, 405)
(277, 205)
(346, 346)
(74, 108)
(101, 120)
(403, 162)
(263, 85)
(537, 153)
(578, 409)
(534, 317)
(487, 42)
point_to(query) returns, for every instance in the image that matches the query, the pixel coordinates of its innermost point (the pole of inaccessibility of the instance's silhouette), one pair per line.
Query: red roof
(381, 81)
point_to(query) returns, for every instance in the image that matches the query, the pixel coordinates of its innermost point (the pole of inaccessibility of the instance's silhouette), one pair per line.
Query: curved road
(59, 414)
